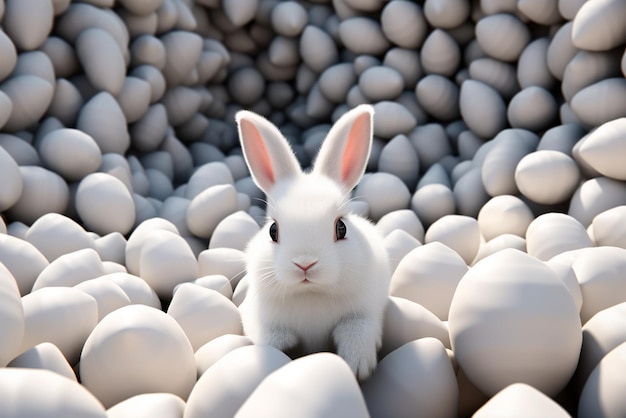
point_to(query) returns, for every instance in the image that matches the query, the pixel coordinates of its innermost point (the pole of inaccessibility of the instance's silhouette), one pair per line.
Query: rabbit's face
(308, 237)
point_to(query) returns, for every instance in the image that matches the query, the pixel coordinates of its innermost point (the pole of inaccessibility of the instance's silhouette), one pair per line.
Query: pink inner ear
(258, 156)
(356, 148)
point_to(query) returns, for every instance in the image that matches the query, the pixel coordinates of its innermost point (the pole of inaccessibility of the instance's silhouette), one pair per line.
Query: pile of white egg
(497, 179)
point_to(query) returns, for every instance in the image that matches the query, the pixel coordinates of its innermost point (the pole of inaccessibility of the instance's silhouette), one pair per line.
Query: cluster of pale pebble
(497, 179)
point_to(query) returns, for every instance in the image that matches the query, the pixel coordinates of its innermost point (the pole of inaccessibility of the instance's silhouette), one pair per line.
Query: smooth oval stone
(81, 16)
(504, 214)
(533, 108)
(28, 22)
(547, 177)
(602, 393)
(404, 219)
(601, 102)
(35, 63)
(602, 148)
(63, 316)
(381, 83)
(6, 108)
(486, 330)
(499, 243)
(219, 200)
(210, 353)
(107, 294)
(138, 238)
(432, 144)
(240, 12)
(560, 51)
(403, 24)
(384, 193)
(104, 204)
(38, 392)
(601, 334)
(204, 314)
(154, 77)
(12, 183)
(317, 49)
(421, 367)
(561, 138)
(182, 51)
(166, 260)
(520, 400)
(103, 119)
(407, 63)
(23, 260)
(599, 271)
(43, 192)
(407, 321)
(11, 316)
(30, 96)
(217, 395)
(337, 394)
(362, 35)
(554, 233)
(102, 60)
(134, 98)
(283, 51)
(62, 56)
(137, 290)
(598, 25)
(429, 275)
(234, 231)
(44, 356)
(147, 49)
(228, 262)
(496, 74)
(149, 131)
(502, 36)
(438, 96)
(336, 81)
(440, 54)
(70, 269)
(141, 7)
(595, 196)
(289, 18)
(398, 244)
(532, 67)
(587, 68)
(9, 53)
(609, 228)
(217, 282)
(71, 153)
(470, 193)
(460, 233)
(66, 102)
(391, 119)
(542, 12)
(118, 360)
(433, 201)
(399, 158)
(498, 168)
(446, 14)
(482, 108)
(246, 85)
(182, 102)
(148, 404)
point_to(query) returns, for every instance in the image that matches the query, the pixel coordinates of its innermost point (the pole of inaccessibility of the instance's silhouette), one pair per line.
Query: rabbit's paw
(278, 338)
(357, 341)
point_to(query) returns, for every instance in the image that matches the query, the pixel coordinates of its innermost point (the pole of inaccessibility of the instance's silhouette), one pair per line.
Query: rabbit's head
(310, 243)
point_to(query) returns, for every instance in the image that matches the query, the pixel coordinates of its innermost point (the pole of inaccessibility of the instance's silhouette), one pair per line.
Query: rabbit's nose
(306, 267)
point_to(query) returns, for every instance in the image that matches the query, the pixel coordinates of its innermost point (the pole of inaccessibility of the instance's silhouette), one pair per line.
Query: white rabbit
(318, 275)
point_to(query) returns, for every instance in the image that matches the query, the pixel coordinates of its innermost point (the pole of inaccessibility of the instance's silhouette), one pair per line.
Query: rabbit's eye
(274, 232)
(340, 230)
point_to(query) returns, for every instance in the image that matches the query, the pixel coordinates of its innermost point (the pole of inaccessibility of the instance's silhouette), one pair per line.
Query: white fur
(342, 303)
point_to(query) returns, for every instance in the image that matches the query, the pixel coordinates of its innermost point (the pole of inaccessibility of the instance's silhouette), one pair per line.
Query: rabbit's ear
(266, 151)
(344, 154)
